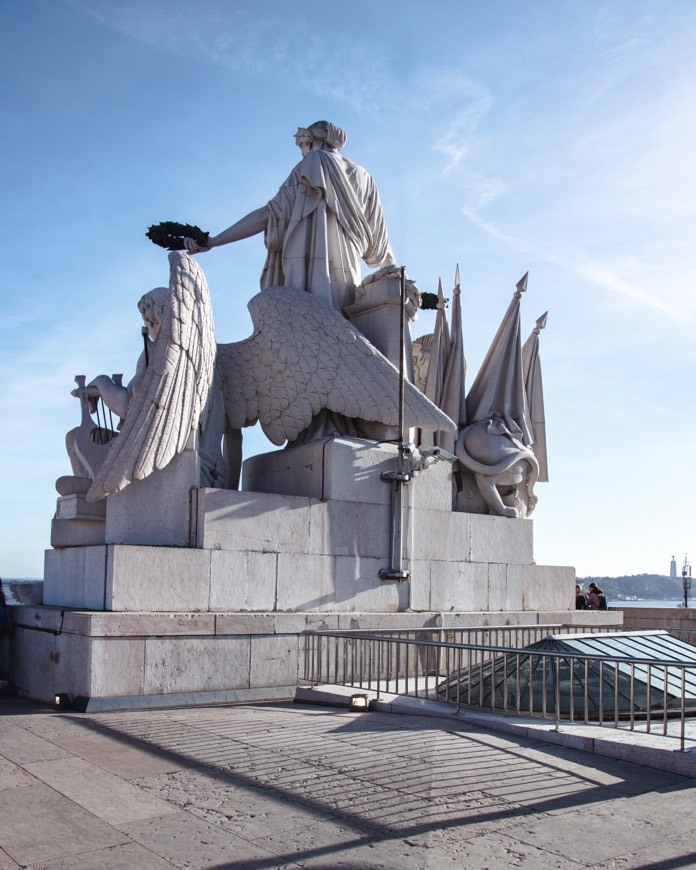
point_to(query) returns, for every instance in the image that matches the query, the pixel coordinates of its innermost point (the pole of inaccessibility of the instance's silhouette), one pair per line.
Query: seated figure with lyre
(106, 396)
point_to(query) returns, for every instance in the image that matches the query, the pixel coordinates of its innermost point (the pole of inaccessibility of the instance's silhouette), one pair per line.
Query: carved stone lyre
(92, 440)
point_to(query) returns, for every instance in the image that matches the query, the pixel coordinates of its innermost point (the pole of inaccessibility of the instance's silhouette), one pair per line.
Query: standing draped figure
(325, 219)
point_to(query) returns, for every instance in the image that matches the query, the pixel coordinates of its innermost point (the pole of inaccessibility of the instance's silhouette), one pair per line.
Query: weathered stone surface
(501, 539)
(157, 578)
(358, 587)
(12, 776)
(243, 580)
(31, 652)
(76, 506)
(155, 511)
(306, 582)
(433, 488)
(79, 532)
(184, 840)
(462, 586)
(141, 624)
(75, 577)
(298, 622)
(100, 793)
(497, 589)
(419, 584)
(196, 664)
(441, 535)
(274, 660)
(64, 829)
(229, 520)
(24, 748)
(366, 621)
(544, 587)
(128, 761)
(117, 666)
(486, 618)
(349, 528)
(655, 617)
(245, 623)
(345, 469)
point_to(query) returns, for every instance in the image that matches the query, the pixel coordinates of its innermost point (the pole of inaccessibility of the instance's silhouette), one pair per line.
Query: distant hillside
(649, 587)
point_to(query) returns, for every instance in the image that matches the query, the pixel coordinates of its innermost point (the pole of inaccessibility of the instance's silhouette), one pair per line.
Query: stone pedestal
(155, 511)
(219, 619)
(344, 469)
(77, 522)
(376, 312)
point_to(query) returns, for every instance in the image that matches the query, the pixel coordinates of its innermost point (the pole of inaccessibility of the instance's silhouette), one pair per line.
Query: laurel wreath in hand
(429, 301)
(171, 235)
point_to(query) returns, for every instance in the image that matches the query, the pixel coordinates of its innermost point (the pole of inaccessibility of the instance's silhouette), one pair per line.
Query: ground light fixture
(359, 702)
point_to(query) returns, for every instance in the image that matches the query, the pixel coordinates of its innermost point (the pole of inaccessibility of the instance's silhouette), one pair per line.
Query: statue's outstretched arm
(251, 225)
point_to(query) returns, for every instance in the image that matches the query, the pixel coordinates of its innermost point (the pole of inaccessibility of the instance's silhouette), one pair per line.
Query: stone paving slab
(651, 749)
(39, 824)
(6, 863)
(116, 755)
(102, 794)
(265, 786)
(131, 856)
(187, 841)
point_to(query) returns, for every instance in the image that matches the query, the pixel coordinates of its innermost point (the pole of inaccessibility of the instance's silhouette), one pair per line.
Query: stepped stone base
(120, 660)
(207, 598)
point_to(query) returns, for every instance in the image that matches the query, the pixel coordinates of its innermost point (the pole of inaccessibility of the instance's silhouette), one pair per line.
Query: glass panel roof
(655, 645)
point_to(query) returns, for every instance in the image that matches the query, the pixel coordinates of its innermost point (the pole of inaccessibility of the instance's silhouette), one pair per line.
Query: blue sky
(554, 137)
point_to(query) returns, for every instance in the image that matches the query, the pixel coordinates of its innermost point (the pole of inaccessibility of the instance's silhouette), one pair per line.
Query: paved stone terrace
(298, 786)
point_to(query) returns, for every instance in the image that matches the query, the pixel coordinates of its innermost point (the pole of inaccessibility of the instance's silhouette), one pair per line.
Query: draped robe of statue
(325, 219)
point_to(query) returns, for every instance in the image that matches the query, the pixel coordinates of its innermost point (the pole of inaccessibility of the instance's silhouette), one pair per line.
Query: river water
(672, 603)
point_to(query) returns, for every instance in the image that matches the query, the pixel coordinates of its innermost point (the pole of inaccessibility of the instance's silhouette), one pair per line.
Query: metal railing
(632, 693)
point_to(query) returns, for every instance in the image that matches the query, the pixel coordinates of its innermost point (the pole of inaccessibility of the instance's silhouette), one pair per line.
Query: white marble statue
(496, 444)
(86, 444)
(162, 407)
(505, 470)
(325, 219)
(303, 357)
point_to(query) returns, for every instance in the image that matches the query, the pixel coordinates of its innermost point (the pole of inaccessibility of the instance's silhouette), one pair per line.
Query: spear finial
(541, 322)
(521, 285)
(441, 301)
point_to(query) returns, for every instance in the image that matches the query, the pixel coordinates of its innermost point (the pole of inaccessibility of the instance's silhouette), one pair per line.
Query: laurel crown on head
(322, 131)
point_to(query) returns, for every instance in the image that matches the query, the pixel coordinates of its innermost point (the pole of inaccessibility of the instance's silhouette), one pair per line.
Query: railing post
(558, 693)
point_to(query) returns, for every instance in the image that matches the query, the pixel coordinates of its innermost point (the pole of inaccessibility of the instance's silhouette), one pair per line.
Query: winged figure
(303, 357)
(168, 400)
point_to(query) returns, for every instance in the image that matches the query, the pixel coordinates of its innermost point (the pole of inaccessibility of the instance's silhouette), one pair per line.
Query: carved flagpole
(143, 332)
(398, 478)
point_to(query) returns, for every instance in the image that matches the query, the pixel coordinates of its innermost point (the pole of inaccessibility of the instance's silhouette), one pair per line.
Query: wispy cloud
(234, 38)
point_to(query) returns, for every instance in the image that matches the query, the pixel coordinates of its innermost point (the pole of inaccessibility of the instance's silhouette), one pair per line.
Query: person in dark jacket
(580, 602)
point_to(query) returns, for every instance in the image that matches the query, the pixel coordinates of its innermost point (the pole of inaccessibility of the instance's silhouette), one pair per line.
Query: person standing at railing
(596, 600)
(580, 602)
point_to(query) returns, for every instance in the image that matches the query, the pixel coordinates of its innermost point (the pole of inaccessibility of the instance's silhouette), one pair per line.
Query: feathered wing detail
(304, 356)
(167, 404)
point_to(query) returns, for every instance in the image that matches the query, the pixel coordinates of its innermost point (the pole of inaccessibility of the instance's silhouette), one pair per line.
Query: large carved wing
(304, 357)
(168, 402)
